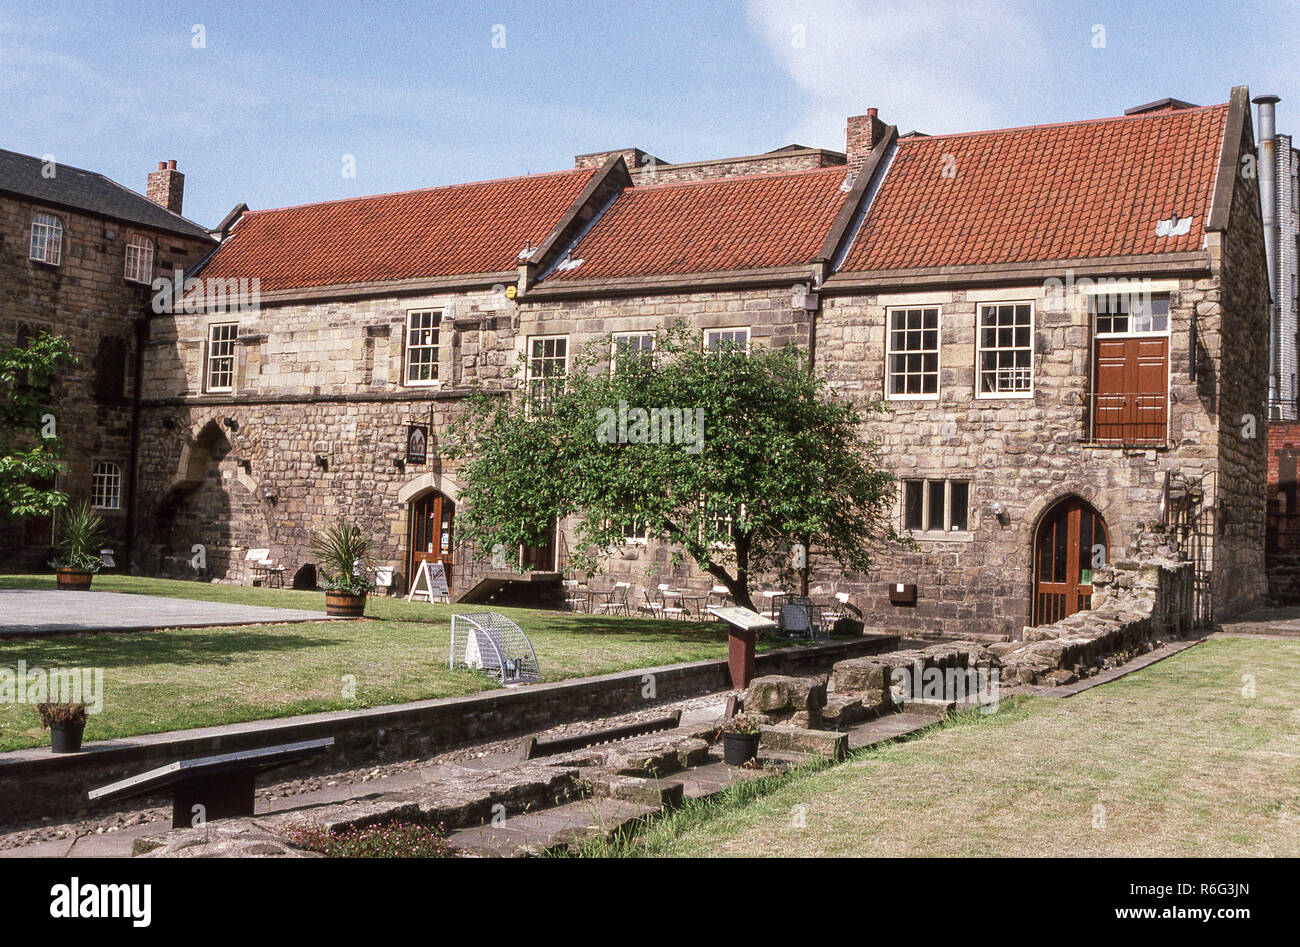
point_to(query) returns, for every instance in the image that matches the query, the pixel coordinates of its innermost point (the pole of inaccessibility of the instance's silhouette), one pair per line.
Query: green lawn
(1170, 761)
(169, 680)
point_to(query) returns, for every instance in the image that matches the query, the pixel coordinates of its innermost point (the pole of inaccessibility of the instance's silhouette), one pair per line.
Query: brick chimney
(863, 133)
(166, 186)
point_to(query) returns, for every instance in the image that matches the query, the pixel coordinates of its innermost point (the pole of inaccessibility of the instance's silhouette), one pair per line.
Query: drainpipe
(1268, 202)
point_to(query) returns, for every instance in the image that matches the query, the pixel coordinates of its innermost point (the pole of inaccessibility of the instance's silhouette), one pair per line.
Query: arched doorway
(430, 533)
(1071, 539)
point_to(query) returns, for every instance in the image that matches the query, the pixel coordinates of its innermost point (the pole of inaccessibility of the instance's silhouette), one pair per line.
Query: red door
(1131, 404)
(432, 518)
(1072, 539)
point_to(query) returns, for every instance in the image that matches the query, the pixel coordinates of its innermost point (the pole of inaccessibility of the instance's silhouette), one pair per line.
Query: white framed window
(936, 506)
(1130, 314)
(1005, 350)
(629, 345)
(912, 369)
(635, 533)
(220, 373)
(715, 340)
(139, 259)
(106, 486)
(422, 346)
(47, 239)
(548, 361)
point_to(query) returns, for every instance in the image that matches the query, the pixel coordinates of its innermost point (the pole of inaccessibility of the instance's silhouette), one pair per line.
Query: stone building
(1068, 322)
(78, 253)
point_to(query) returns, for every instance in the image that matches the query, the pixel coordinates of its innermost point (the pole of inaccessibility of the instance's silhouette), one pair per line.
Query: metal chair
(575, 596)
(718, 596)
(617, 603)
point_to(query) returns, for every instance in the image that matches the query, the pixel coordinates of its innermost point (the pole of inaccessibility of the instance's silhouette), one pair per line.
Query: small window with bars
(221, 356)
(422, 346)
(106, 486)
(1006, 351)
(936, 506)
(913, 367)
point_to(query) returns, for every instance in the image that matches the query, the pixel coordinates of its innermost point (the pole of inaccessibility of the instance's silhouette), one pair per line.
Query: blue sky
(266, 109)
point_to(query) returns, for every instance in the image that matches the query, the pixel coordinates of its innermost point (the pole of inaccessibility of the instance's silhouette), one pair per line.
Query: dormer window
(47, 239)
(139, 259)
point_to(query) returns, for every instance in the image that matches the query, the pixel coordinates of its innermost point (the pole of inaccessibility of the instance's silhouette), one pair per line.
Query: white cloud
(934, 65)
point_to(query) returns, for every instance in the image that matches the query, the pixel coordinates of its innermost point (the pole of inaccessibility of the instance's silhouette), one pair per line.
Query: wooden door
(1131, 401)
(540, 558)
(1072, 539)
(431, 538)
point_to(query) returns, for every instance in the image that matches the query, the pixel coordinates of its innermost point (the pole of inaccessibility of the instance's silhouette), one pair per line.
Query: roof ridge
(732, 178)
(1145, 116)
(424, 190)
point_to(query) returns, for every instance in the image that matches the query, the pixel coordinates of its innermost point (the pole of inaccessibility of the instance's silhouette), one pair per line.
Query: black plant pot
(66, 737)
(739, 748)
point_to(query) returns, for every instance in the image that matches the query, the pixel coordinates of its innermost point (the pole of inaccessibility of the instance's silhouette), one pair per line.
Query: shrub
(344, 553)
(78, 535)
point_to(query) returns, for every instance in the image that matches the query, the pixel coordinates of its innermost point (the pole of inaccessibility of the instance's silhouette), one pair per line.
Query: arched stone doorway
(430, 532)
(211, 503)
(1070, 541)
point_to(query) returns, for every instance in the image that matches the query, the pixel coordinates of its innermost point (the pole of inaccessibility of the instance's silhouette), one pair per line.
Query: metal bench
(222, 785)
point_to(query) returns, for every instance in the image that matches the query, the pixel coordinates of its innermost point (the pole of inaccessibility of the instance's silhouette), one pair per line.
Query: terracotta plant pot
(345, 604)
(66, 737)
(73, 580)
(739, 748)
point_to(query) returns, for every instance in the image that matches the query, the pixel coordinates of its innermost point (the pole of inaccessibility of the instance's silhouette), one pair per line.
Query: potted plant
(344, 553)
(78, 535)
(740, 739)
(66, 723)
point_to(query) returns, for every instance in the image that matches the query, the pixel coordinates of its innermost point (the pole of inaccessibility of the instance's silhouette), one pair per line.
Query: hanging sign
(417, 443)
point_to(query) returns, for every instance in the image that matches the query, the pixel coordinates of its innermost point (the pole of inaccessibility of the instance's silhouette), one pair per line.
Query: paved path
(1268, 622)
(45, 612)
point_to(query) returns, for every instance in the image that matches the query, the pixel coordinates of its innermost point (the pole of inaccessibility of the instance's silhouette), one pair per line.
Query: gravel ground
(100, 823)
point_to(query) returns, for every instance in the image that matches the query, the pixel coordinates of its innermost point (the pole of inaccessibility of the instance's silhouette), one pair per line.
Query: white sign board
(741, 618)
(430, 583)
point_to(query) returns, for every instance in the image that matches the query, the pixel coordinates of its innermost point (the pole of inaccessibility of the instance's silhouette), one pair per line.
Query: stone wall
(1025, 453)
(86, 299)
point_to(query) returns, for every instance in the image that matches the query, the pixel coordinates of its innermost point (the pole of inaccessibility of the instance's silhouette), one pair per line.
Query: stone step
(828, 743)
(566, 826)
(656, 793)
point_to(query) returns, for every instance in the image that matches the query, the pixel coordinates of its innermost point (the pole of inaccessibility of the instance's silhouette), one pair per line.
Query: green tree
(29, 446)
(730, 456)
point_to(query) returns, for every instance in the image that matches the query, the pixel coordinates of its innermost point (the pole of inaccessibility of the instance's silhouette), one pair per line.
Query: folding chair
(617, 602)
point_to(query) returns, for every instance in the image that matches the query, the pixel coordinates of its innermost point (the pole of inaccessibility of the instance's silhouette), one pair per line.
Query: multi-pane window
(221, 356)
(913, 367)
(422, 346)
(47, 239)
(1006, 352)
(106, 486)
(936, 506)
(139, 259)
(630, 345)
(548, 359)
(715, 340)
(635, 531)
(1130, 314)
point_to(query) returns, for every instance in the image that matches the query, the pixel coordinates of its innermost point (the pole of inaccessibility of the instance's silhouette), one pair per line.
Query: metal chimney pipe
(1268, 207)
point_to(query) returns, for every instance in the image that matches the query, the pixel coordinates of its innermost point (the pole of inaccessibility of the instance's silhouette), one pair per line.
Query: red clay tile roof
(1046, 192)
(756, 221)
(443, 231)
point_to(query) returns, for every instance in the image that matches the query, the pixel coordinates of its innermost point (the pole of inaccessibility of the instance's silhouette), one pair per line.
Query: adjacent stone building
(78, 254)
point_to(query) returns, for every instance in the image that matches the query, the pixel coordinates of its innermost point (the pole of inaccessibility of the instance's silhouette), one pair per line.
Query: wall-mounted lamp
(269, 495)
(399, 463)
(231, 423)
(245, 463)
(1000, 512)
(322, 462)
